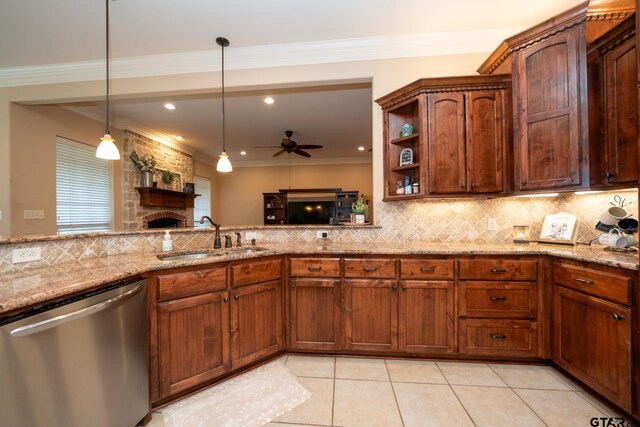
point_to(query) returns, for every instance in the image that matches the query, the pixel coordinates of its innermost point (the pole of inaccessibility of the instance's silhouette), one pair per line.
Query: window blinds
(202, 204)
(84, 189)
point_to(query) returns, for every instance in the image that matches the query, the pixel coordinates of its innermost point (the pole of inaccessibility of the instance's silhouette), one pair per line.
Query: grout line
(592, 404)
(528, 406)
(393, 390)
(456, 395)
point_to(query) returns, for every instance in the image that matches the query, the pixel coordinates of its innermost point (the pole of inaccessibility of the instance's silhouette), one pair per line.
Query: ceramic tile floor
(378, 392)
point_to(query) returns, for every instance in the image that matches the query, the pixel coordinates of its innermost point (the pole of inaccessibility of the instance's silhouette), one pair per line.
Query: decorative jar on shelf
(147, 178)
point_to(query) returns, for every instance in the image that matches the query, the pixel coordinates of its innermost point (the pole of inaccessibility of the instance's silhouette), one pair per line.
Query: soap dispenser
(167, 243)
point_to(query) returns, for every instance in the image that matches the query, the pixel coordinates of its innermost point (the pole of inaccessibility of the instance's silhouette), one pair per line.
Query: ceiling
(337, 117)
(70, 34)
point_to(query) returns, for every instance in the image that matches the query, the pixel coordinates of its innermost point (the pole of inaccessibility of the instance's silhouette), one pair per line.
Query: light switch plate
(322, 234)
(492, 224)
(26, 255)
(34, 214)
(0, 215)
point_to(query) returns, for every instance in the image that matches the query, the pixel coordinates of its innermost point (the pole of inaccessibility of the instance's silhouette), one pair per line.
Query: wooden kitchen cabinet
(256, 322)
(426, 317)
(315, 314)
(613, 106)
(370, 314)
(592, 341)
(465, 135)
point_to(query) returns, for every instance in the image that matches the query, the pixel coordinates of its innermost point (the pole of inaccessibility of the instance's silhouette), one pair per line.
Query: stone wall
(167, 158)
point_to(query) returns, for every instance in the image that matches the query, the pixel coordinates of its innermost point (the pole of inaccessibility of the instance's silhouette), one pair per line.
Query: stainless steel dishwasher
(77, 362)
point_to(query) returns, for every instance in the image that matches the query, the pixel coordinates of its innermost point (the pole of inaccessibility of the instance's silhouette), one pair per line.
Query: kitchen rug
(251, 399)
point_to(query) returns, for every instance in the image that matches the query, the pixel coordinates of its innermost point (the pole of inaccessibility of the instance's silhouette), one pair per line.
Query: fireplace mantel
(152, 196)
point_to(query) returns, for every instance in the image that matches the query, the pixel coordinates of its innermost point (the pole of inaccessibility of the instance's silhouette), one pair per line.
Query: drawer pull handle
(314, 268)
(498, 270)
(588, 282)
(497, 298)
(498, 336)
(617, 317)
(427, 269)
(370, 269)
(225, 299)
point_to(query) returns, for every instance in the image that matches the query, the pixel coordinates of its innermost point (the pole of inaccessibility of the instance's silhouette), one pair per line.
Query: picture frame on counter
(560, 228)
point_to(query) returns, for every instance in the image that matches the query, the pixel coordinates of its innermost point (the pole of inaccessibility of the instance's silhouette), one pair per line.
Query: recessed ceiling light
(243, 153)
(268, 100)
(361, 148)
(169, 106)
(178, 137)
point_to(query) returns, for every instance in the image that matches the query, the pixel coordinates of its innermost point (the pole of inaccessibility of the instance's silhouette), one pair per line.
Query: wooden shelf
(406, 167)
(152, 196)
(405, 139)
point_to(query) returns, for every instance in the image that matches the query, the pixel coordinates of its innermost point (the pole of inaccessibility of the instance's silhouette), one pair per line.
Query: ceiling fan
(289, 146)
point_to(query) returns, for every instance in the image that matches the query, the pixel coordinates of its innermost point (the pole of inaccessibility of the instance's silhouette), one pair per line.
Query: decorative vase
(359, 218)
(406, 130)
(147, 178)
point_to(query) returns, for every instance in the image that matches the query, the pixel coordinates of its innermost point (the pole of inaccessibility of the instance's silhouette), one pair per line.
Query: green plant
(168, 177)
(359, 207)
(144, 164)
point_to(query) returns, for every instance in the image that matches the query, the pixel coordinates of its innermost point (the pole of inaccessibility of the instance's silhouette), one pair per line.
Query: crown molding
(281, 55)
(302, 162)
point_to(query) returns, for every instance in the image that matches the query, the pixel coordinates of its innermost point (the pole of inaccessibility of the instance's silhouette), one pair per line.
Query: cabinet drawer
(426, 269)
(599, 283)
(498, 269)
(499, 337)
(178, 285)
(256, 272)
(315, 267)
(370, 268)
(498, 299)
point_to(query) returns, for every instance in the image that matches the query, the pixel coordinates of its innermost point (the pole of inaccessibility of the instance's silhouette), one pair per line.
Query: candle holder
(521, 234)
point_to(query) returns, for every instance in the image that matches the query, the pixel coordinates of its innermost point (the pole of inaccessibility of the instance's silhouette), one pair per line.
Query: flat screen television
(310, 212)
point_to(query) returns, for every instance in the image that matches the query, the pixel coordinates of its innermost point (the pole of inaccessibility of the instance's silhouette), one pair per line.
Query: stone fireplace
(135, 216)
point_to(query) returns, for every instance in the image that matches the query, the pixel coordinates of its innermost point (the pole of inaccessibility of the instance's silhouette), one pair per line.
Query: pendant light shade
(107, 149)
(224, 165)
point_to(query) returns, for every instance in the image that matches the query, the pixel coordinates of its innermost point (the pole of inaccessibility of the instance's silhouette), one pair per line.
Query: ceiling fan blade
(267, 146)
(309, 147)
(302, 153)
(278, 153)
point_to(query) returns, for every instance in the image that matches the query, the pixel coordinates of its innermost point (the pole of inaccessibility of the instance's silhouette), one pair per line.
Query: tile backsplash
(443, 220)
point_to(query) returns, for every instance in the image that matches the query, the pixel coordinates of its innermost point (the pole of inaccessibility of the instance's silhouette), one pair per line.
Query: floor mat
(251, 399)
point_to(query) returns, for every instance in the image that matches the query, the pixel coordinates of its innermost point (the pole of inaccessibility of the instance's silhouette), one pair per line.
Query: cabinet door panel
(371, 314)
(256, 315)
(549, 139)
(621, 107)
(426, 317)
(447, 171)
(315, 314)
(194, 341)
(592, 341)
(485, 139)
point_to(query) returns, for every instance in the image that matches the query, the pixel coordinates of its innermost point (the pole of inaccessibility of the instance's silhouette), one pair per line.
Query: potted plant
(359, 207)
(146, 165)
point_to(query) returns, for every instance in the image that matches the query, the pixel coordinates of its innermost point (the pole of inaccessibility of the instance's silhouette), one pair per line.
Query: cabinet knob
(609, 175)
(236, 297)
(497, 298)
(498, 336)
(473, 185)
(293, 286)
(523, 182)
(617, 317)
(394, 287)
(225, 299)
(404, 288)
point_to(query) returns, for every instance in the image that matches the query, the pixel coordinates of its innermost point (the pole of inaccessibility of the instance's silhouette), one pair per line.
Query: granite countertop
(30, 287)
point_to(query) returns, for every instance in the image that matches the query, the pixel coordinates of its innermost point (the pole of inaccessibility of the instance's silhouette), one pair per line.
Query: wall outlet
(322, 234)
(248, 235)
(34, 214)
(26, 255)
(492, 224)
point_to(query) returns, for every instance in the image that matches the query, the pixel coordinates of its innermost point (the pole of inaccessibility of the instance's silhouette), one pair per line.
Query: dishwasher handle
(43, 325)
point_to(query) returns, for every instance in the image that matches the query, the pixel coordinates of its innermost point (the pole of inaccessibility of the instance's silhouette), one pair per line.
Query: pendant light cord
(107, 67)
(223, 142)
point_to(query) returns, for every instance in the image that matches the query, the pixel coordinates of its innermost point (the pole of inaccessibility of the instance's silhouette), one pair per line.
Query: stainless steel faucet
(217, 242)
(239, 239)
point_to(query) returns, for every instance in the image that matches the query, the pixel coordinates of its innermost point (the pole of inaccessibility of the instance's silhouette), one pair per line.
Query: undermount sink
(210, 254)
(185, 257)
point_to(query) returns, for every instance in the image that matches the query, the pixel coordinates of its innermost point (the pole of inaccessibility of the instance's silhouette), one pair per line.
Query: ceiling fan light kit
(107, 148)
(224, 164)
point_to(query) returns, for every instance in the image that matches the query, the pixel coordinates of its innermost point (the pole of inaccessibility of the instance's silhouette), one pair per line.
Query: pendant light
(107, 149)
(224, 165)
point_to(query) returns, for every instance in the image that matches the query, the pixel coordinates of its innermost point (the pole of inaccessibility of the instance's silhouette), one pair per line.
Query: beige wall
(33, 168)
(384, 75)
(240, 196)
